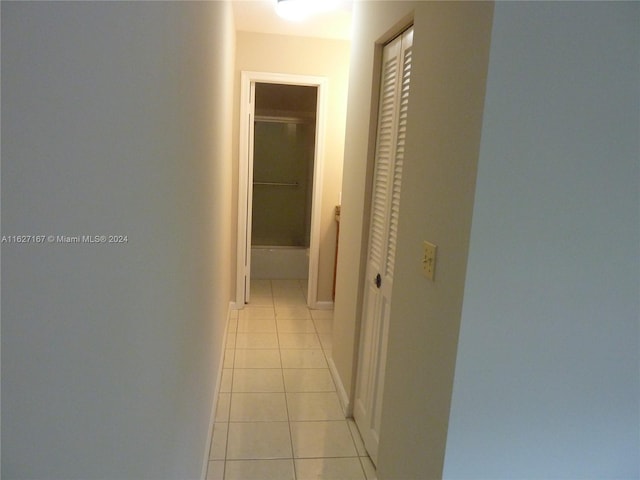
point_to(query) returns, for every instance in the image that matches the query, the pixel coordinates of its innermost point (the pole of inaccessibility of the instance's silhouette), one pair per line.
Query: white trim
(248, 79)
(323, 306)
(246, 110)
(214, 403)
(236, 306)
(316, 211)
(343, 396)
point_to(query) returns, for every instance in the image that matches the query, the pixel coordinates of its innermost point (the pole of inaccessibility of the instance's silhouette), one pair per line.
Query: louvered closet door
(385, 208)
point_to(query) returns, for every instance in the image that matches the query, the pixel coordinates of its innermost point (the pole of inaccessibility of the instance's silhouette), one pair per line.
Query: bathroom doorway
(280, 170)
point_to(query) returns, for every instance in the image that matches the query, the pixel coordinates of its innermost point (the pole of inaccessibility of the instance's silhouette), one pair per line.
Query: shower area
(282, 190)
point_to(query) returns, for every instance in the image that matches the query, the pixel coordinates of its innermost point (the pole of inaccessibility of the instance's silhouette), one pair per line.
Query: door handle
(378, 280)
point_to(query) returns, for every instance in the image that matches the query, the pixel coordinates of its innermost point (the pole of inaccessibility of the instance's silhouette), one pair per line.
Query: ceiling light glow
(297, 10)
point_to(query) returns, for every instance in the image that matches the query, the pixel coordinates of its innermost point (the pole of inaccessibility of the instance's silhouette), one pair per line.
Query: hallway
(278, 414)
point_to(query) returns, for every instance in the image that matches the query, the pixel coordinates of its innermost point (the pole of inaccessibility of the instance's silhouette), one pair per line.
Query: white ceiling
(260, 16)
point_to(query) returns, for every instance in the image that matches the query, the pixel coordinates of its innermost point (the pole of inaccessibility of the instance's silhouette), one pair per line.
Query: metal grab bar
(278, 184)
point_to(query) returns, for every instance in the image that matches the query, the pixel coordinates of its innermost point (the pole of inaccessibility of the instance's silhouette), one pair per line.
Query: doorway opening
(279, 181)
(283, 157)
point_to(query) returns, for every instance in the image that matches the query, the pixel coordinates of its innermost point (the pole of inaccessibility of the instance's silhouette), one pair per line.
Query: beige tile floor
(278, 414)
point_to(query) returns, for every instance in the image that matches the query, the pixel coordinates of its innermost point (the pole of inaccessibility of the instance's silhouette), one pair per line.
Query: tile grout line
(286, 401)
(233, 369)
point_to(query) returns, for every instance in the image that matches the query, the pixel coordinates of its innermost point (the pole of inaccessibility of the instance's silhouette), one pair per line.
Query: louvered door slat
(384, 151)
(394, 207)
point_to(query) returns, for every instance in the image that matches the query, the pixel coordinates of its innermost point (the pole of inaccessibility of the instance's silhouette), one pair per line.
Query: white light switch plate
(429, 260)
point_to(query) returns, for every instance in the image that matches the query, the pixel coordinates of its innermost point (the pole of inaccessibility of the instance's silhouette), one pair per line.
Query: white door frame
(245, 178)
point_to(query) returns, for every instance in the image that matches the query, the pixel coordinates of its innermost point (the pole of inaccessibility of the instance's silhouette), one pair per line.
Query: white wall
(546, 381)
(547, 375)
(450, 57)
(371, 22)
(115, 121)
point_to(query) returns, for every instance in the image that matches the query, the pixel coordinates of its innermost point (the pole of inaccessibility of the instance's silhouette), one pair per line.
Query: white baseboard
(323, 306)
(343, 396)
(214, 403)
